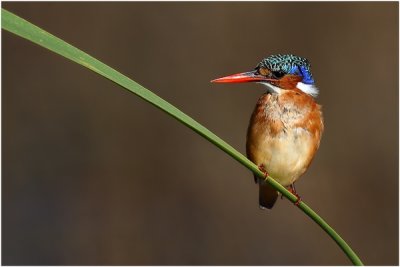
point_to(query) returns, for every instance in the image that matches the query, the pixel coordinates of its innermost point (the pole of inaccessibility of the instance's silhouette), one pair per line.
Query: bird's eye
(263, 71)
(278, 74)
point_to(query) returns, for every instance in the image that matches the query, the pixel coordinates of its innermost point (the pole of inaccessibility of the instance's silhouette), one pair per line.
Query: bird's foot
(261, 167)
(297, 203)
(292, 190)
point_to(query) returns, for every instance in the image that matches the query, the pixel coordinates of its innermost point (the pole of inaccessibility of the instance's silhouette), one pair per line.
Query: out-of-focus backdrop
(91, 174)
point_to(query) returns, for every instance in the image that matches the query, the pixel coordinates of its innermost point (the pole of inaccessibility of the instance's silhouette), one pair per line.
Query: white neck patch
(308, 89)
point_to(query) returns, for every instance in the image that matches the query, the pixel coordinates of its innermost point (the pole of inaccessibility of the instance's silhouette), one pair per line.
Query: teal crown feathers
(288, 64)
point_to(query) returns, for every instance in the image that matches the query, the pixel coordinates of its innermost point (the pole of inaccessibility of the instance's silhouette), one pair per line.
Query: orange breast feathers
(284, 134)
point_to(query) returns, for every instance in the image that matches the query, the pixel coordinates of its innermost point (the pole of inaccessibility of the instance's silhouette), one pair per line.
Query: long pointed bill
(251, 76)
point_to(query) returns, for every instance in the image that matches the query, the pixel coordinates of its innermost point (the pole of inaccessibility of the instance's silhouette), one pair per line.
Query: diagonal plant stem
(27, 30)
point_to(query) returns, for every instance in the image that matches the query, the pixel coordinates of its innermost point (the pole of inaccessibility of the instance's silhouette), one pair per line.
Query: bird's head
(278, 72)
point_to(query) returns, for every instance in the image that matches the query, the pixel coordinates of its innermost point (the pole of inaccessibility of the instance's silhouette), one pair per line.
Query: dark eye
(278, 74)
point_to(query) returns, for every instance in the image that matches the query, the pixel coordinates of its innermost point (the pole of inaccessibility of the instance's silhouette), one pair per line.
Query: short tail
(267, 195)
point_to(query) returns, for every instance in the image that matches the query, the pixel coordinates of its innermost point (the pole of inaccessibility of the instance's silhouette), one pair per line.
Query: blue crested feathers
(289, 64)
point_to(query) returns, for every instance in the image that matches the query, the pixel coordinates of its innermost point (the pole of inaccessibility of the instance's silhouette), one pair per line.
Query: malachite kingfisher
(286, 126)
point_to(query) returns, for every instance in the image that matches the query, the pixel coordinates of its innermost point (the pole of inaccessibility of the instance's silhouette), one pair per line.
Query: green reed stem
(27, 30)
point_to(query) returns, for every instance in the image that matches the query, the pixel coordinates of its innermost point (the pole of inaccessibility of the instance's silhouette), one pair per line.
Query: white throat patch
(272, 88)
(308, 89)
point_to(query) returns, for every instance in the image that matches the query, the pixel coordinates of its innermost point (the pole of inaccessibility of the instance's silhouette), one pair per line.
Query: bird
(286, 126)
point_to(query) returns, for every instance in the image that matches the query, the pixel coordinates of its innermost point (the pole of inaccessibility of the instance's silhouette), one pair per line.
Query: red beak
(251, 76)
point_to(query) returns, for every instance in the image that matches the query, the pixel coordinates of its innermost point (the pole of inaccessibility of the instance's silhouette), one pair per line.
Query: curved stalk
(27, 30)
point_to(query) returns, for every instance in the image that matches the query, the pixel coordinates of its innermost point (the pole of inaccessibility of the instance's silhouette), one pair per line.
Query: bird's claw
(261, 167)
(297, 203)
(293, 191)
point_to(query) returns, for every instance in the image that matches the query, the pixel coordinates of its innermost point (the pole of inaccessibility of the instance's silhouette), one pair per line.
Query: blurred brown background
(94, 175)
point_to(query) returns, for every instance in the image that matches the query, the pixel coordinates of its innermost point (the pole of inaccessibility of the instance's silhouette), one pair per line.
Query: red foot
(261, 167)
(297, 203)
(293, 191)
